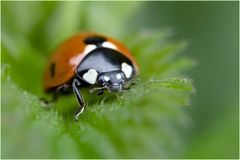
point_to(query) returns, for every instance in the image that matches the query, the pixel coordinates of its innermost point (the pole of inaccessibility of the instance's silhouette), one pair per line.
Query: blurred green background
(210, 28)
(213, 31)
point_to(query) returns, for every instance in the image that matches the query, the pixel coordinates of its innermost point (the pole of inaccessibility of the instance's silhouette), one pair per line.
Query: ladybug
(89, 59)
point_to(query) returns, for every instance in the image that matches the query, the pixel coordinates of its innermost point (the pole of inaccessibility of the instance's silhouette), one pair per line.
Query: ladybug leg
(128, 84)
(80, 99)
(100, 90)
(60, 89)
(46, 103)
(56, 93)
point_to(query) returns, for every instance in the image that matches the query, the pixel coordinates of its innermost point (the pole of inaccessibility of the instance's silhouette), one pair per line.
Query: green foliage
(143, 122)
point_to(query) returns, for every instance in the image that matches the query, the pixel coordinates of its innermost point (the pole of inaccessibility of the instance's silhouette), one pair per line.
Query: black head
(113, 81)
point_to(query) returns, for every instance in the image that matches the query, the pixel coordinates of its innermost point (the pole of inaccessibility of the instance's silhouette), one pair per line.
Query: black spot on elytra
(97, 40)
(52, 69)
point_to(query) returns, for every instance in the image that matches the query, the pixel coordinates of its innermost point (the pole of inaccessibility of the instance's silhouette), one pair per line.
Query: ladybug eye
(101, 81)
(109, 45)
(118, 76)
(106, 78)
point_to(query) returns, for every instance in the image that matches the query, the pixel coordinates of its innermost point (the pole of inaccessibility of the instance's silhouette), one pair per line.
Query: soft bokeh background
(213, 31)
(210, 28)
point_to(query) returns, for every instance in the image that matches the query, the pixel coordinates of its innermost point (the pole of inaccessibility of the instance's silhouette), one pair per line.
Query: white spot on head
(127, 69)
(118, 76)
(90, 76)
(106, 78)
(109, 45)
(89, 48)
